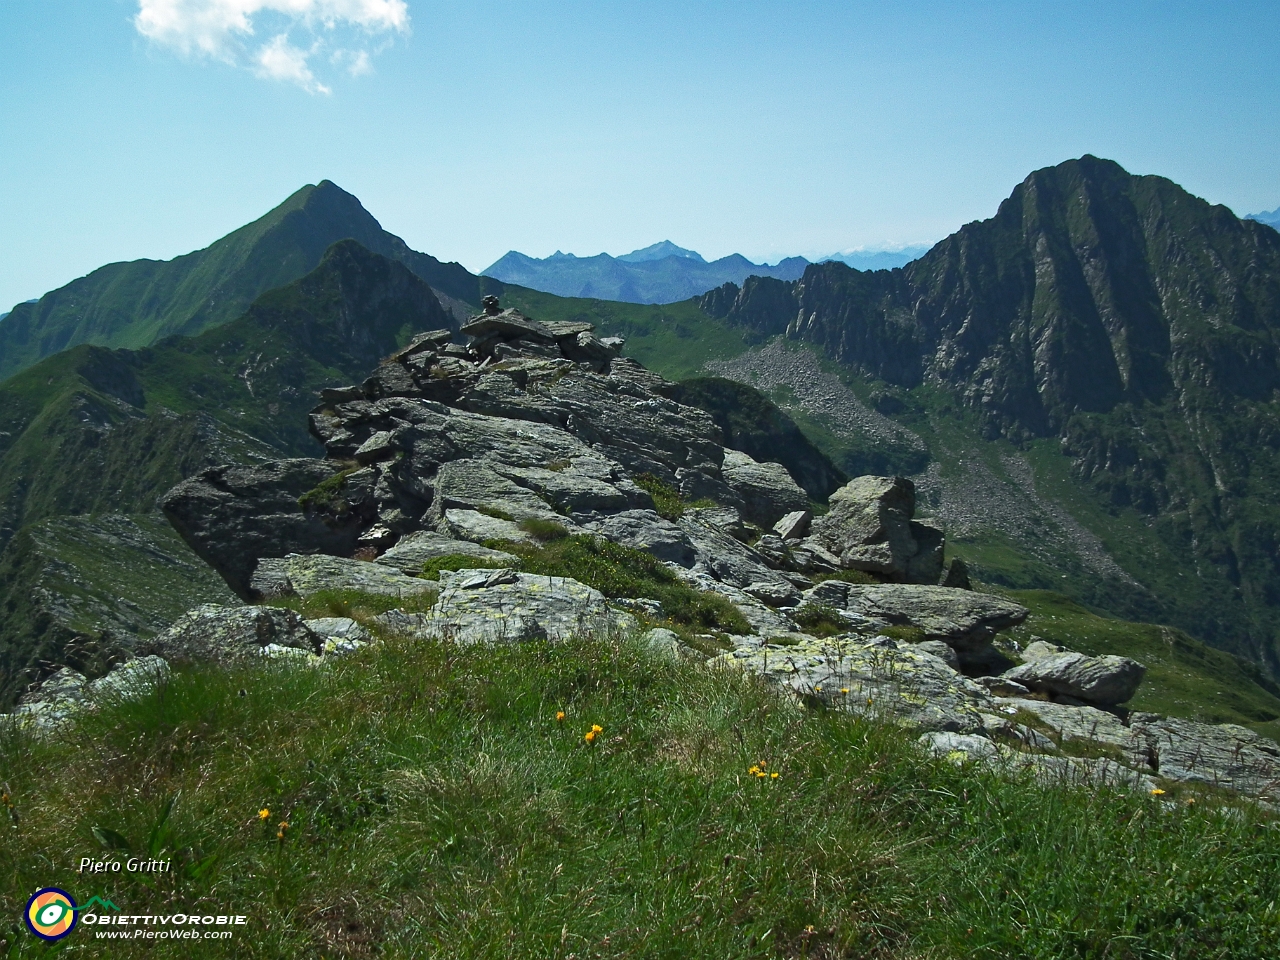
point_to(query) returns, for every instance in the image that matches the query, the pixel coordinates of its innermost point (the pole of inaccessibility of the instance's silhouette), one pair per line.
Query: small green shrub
(457, 561)
(356, 604)
(326, 496)
(495, 513)
(666, 499)
(820, 620)
(544, 531)
(848, 576)
(621, 572)
(904, 632)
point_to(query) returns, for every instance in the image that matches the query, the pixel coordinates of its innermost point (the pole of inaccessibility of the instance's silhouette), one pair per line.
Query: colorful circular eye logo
(51, 913)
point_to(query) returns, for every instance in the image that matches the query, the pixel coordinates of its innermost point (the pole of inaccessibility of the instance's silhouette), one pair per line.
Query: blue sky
(148, 128)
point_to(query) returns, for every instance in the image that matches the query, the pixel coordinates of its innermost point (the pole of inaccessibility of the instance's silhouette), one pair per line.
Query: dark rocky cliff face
(1134, 321)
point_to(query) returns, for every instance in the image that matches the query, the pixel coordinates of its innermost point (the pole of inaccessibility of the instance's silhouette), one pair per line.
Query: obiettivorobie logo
(52, 913)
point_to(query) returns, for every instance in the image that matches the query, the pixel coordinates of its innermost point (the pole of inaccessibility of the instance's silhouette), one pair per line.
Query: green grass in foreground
(437, 808)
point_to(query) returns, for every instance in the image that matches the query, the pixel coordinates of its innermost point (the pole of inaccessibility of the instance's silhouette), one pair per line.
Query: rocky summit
(464, 457)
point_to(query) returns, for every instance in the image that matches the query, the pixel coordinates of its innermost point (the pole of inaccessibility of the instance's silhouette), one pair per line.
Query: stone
(956, 575)
(868, 525)
(985, 660)
(876, 679)
(961, 618)
(505, 326)
(497, 606)
(925, 566)
(959, 747)
(729, 561)
(645, 530)
(664, 644)
(768, 493)
(298, 575)
(475, 484)
(339, 635)
(233, 515)
(1040, 648)
(1002, 687)
(133, 678)
(412, 552)
(482, 528)
(1106, 681)
(1222, 755)
(1075, 723)
(794, 526)
(943, 651)
(224, 634)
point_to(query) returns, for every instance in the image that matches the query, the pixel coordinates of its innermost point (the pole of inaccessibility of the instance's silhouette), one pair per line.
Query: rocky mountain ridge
(471, 455)
(1131, 321)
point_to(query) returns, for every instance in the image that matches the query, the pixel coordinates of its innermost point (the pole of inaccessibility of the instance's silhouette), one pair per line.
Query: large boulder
(1106, 681)
(212, 633)
(869, 527)
(874, 678)
(493, 606)
(233, 515)
(411, 553)
(960, 618)
(768, 493)
(302, 576)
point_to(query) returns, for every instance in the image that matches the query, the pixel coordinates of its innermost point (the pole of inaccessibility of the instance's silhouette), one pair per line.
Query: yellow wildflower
(596, 728)
(1157, 792)
(264, 813)
(559, 715)
(844, 689)
(774, 775)
(589, 736)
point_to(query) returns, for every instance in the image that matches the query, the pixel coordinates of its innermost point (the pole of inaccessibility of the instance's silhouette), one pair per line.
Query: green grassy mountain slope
(92, 433)
(1131, 324)
(92, 429)
(138, 303)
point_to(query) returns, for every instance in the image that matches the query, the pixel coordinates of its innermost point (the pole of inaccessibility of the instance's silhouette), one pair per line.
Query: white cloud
(225, 29)
(281, 60)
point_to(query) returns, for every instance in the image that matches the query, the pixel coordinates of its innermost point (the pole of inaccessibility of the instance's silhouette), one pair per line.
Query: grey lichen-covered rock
(794, 526)
(663, 643)
(1002, 687)
(959, 747)
(960, 618)
(481, 528)
(727, 560)
(943, 651)
(65, 694)
(1105, 680)
(223, 634)
(132, 678)
(411, 553)
(645, 530)
(339, 635)
(302, 576)
(768, 493)
(876, 678)
(496, 606)
(1226, 755)
(868, 525)
(230, 516)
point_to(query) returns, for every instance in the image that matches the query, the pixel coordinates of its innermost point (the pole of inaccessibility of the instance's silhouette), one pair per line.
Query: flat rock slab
(412, 552)
(1106, 681)
(875, 679)
(303, 576)
(1222, 755)
(223, 634)
(65, 694)
(961, 618)
(503, 606)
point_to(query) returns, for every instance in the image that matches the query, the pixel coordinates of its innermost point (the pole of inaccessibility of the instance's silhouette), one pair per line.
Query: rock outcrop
(870, 527)
(1106, 681)
(212, 633)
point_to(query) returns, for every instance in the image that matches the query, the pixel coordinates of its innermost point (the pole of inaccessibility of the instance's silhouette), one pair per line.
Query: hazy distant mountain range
(1271, 219)
(663, 272)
